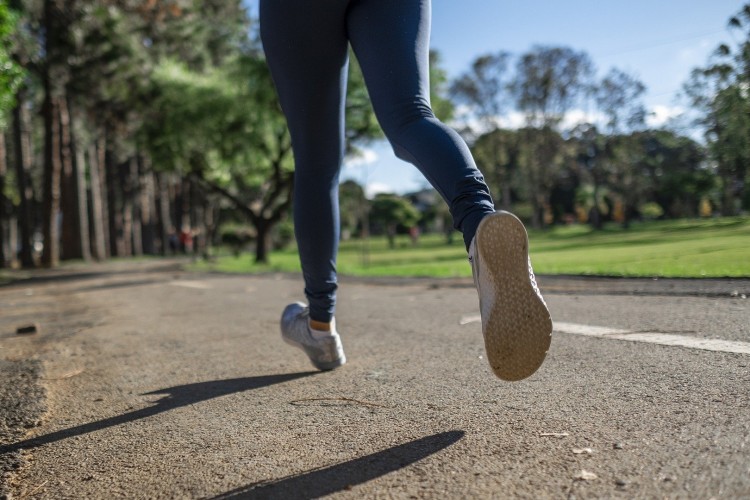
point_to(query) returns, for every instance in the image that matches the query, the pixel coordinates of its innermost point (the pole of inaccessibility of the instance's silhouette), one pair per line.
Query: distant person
(414, 234)
(174, 242)
(306, 44)
(186, 241)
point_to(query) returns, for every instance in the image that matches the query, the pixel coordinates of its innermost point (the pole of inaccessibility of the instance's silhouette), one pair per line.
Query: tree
(353, 206)
(618, 97)
(549, 81)
(224, 127)
(672, 170)
(498, 152)
(485, 88)
(392, 211)
(592, 153)
(11, 73)
(721, 93)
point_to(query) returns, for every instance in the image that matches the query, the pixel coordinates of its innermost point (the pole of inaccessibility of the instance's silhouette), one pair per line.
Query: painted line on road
(667, 339)
(201, 285)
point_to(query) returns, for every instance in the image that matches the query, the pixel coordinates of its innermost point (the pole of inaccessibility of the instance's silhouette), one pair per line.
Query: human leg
(307, 51)
(391, 41)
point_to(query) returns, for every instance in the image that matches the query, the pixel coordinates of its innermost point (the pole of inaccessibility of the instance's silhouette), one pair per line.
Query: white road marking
(201, 285)
(669, 339)
(470, 318)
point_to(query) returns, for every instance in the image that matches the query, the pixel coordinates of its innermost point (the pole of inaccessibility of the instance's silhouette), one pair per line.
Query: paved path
(154, 383)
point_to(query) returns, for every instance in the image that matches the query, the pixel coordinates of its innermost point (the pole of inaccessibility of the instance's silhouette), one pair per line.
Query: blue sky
(659, 41)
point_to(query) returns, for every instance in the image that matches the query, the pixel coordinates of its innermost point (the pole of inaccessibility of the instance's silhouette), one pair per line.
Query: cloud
(365, 157)
(578, 116)
(465, 119)
(374, 188)
(660, 114)
(516, 119)
(696, 53)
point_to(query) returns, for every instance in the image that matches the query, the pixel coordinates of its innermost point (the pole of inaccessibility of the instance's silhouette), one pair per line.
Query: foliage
(485, 88)
(549, 81)
(353, 206)
(392, 211)
(11, 73)
(618, 96)
(721, 93)
(442, 106)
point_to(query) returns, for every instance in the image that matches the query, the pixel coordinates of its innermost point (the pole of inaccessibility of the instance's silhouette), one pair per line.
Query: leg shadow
(181, 395)
(327, 480)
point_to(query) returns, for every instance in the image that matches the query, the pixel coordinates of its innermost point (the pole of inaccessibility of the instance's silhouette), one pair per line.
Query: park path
(164, 384)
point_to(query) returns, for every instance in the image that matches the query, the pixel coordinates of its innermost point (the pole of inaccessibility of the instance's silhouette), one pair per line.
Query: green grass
(685, 248)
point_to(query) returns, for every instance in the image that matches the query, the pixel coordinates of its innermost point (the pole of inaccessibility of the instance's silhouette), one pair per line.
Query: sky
(658, 41)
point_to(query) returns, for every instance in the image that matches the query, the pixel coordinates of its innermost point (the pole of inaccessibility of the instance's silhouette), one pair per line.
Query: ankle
(320, 326)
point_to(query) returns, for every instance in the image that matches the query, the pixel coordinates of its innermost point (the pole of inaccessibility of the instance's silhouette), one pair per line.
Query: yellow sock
(320, 326)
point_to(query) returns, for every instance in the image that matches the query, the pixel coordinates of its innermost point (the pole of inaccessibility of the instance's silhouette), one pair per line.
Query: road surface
(145, 381)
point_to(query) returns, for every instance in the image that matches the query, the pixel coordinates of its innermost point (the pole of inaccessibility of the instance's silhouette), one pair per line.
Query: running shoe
(516, 323)
(323, 348)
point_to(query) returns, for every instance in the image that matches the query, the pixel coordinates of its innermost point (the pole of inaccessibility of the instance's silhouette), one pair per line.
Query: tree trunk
(727, 196)
(537, 214)
(262, 240)
(595, 215)
(506, 203)
(125, 171)
(179, 203)
(135, 206)
(209, 223)
(52, 172)
(75, 244)
(197, 218)
(166, 228)
(12, 238)
(98, 241)
(147, 208)
(22, 160)
(79, 166)
(114, 203)
(53, 76)
(6, 252)
(390, 232)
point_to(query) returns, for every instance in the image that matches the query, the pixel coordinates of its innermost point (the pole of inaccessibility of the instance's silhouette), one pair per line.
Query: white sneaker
(516, 324)
(323, 348)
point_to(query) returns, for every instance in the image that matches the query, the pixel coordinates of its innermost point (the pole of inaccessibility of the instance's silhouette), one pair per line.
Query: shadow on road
(327, 480)
(119, 284)
(176, 397)
(46, 276)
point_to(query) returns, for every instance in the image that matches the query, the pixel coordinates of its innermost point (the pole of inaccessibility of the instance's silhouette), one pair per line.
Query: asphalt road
(148, 382)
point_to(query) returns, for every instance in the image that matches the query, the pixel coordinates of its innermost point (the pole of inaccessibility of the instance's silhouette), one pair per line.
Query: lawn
(685, 248)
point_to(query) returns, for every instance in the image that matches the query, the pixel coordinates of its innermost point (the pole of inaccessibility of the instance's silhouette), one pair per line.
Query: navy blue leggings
(306, 44)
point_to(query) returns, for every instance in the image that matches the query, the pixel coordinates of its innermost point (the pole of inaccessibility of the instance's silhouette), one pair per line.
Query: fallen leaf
(581, 451)
(554, 434)
(585, 475)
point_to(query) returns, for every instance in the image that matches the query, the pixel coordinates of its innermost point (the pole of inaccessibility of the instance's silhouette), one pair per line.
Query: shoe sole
(518, 331)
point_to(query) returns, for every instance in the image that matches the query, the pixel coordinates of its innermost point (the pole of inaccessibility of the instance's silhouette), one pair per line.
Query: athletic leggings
(306, 44)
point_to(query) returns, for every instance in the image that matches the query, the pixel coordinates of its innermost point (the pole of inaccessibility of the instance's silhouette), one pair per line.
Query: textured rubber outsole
(518, 331)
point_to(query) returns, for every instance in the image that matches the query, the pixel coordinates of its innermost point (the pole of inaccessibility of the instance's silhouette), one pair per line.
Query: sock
(319, 332)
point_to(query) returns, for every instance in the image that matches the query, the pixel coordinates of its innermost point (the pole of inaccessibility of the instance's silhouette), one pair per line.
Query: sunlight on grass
(687, 248)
